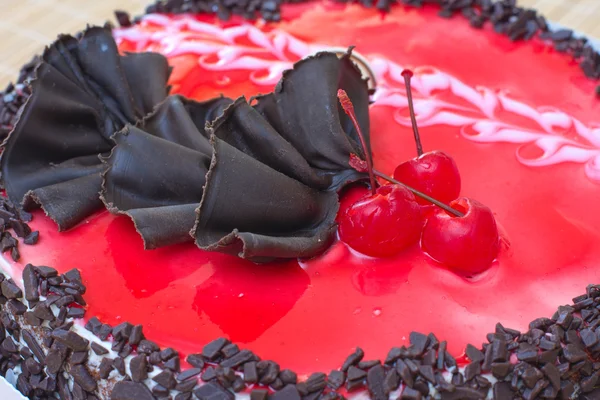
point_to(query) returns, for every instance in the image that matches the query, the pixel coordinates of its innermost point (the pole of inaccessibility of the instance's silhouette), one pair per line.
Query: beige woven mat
(26, 26)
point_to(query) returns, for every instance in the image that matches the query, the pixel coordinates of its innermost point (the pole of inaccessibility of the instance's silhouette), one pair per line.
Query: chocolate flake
(131, 391)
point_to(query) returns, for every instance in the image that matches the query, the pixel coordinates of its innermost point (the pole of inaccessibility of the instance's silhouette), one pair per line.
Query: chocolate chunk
(209, 374)
(213, 391)
(472, 370)
(195, 360)
(271, 372)
(33, 345)
(336, 379)
(139, 368)
(531, 376)
(79, 357)
(548, 356)
(136, 335)
(287, 393)
(54, 360)
(430, 357)
(186, 386)
(212, 350)
(98, 349)
(32, 319)
(32, 238)
(33, 366)
(75, 312)
(147, 347)
(106, 367)
(106, 329)
(166, 379)
(122, 331)
(31, 283)
(42, 311)
(355, 373)
(70, 339)
(167, 354)
(9, 345)
(21, 228)
(131, 391)
(527, 352)
(418, 343)
(173, 364)
(230, 350)
(474, 354)
(501, 369)
(23, 385)
(238, 359)
(93, 325)
(62, 301)
(375, 383)
(188, 373)
(288, 376)
(573, 353)
(16, 307)
(10, 290)
(353, 359)
(154, 358)
(46, 272)
(316, 382)
(394, 354)
(160, 391)
(82, 376)
(250, 372)
(260, 394)
(404, 373)
(15, 254)
(119, 365)
(411, 394)
(426, 371)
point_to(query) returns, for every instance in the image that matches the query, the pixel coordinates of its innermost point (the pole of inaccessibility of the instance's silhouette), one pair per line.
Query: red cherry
(383, 224)
(434, 173)
(467, 244)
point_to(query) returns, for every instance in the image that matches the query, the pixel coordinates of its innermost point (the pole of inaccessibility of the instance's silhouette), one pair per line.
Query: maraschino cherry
(434, 173)
(382, 224)
(467, 244)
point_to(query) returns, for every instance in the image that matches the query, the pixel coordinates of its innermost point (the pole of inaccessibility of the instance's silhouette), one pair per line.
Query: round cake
(188, 174)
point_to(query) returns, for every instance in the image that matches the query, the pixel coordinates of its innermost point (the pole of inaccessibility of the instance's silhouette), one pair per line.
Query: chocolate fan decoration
(83, 92)
(248, 184)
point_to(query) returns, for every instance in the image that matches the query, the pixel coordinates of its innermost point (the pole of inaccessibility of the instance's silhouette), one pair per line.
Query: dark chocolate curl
(83, 92)
(305, 111)
(245, 129)
(252, 211)
(156, 172)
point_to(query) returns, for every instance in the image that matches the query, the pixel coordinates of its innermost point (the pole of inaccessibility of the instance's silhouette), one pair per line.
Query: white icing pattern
(265, 55)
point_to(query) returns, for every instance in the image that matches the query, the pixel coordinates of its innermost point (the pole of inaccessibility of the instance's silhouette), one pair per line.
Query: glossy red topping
(434, 173)
(467, 244)
(384, 224)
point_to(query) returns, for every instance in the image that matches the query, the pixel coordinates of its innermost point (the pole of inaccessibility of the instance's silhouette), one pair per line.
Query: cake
(114, 252)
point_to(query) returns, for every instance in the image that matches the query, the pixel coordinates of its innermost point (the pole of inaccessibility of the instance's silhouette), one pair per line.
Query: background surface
(26, 26)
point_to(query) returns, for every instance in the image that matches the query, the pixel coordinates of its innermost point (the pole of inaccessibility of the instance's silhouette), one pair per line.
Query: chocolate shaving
(82, 93)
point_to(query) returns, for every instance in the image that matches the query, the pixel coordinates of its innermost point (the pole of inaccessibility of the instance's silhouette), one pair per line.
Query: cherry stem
(422, 195)
(407, 74)
(349, 110)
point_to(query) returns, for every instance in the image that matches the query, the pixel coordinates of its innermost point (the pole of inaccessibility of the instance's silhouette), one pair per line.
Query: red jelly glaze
(466, 244)
(383, 224)
(434, 173)
(309, 316)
